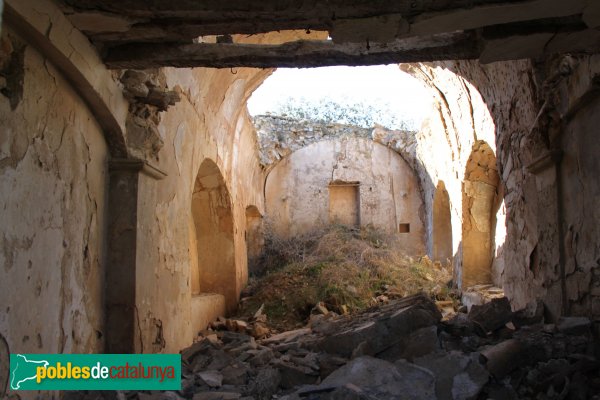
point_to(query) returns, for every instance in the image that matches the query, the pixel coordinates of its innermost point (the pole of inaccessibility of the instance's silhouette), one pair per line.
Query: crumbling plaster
(210, 121)
(297, 194)
(531, 112)
(55, 148)
(53, 182)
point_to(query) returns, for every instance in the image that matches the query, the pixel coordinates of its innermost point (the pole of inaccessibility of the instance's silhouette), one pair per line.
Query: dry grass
(347, 269)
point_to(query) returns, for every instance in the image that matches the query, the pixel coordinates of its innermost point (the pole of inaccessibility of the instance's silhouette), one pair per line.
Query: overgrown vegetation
(346, 269)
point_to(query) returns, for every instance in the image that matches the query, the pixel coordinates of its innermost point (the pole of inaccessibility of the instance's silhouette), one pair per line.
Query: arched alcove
(480, 191)
(211, 239)
(254, 237)
(442, 225)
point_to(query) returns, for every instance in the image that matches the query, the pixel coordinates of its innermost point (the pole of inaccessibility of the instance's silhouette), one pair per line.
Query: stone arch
(212, 237)
(480, 194)
(254, 237)
(298, 190)
(442, 224)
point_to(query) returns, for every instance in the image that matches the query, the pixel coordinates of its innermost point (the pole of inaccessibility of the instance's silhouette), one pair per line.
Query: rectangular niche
(344, 203)
(404, 228)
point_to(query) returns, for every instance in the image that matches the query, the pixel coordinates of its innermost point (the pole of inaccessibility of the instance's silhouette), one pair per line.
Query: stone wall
(539, 119)
(279, 136)
(62, 130)
(53, 190)
(55, 168)
(350, 180)
(209, 123)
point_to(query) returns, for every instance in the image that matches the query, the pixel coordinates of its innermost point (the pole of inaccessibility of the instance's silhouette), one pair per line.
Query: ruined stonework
(352, 181)
(317, 168)
(55, 241)
(279, 136)
(537, 116)
(148, 96)
(53, 180)
(90, 161)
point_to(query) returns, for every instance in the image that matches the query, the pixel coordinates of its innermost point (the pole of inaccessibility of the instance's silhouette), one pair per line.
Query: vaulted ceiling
(214, 33)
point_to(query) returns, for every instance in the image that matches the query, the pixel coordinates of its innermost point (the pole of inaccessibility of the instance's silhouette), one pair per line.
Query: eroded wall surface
(54, 165)
(210, 122)
(444, 145)
(541, 120)
(298, 195)
(53, 182)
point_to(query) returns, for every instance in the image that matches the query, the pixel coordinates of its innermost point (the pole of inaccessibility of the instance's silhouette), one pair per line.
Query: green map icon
(23, 369)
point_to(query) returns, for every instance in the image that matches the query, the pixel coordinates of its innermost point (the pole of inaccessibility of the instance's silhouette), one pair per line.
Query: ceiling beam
(182, 20)
(300, 54)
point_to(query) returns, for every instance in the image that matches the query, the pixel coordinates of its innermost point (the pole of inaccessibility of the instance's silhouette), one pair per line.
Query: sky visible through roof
(384, 86)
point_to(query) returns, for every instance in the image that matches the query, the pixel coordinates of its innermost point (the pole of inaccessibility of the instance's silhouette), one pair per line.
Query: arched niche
(211, 237)
(480, 191)
(442, 225)
(254, 237)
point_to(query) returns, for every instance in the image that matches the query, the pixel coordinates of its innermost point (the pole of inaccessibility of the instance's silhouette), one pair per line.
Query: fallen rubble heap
(399, 350)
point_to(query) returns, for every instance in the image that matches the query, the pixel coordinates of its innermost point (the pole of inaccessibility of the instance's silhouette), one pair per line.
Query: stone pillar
(121, 327)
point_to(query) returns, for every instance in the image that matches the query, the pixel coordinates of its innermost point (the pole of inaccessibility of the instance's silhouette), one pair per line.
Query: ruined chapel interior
(135, 194)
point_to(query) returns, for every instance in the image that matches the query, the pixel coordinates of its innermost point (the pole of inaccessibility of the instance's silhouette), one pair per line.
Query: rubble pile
(398, 350)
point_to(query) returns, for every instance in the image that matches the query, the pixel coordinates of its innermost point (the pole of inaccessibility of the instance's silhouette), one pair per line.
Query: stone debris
(491, 316)
(480, 294)
(398, 350)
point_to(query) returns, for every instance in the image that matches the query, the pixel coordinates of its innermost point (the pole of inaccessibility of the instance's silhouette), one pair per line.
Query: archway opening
(480, 192)
(255, 240)
(213, 264)
(442, 225)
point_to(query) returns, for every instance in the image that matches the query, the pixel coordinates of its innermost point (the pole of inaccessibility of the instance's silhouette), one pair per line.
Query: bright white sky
(377, 84)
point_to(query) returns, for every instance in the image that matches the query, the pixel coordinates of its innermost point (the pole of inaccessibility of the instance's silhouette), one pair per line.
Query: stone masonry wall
(301, 193)
(538, 114)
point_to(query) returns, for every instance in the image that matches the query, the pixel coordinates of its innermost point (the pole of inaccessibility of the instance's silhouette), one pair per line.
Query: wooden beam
(274, 10)
(300, 54)
(183, 20)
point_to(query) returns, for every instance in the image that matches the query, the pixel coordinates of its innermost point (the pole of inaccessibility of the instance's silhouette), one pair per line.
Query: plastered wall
(298, 194)
(53, 182)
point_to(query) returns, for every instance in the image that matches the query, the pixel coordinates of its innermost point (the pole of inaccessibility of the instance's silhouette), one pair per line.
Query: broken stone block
(533, 313)
(134, 77)
(502, 358)
(293, 375)
(260, 357)
(162, 99)
(265, 384)
(217, 396)
(457, 376)
(388, 328)
(382, 379)
(219, 359)
(213, 379)
(329, 363)
(236, 375)
(189, 355)
(491, 316)
(574, 325)
(419, 343)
